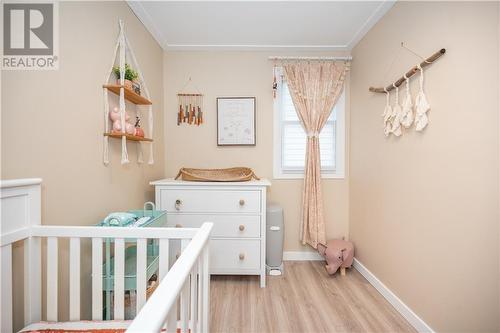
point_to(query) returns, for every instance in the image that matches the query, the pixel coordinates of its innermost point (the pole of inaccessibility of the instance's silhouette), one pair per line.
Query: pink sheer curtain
(315, 87)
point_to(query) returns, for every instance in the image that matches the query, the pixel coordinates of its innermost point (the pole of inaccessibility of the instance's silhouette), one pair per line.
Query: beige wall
(52, 124)
(424, 207)
(222, 74)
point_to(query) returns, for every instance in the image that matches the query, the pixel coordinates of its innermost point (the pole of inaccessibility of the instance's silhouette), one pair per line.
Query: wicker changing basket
(239, 174)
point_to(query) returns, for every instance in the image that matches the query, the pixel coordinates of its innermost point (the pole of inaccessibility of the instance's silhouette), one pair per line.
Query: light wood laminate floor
(304, 299)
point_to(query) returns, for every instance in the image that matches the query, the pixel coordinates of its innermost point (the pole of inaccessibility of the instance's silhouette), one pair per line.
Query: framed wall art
(236, 121)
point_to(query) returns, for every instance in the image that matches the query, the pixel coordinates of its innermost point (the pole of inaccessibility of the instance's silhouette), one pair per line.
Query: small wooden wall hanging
(190, 110)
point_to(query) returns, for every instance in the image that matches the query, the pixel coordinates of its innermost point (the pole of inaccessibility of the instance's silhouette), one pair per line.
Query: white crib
(188, 279)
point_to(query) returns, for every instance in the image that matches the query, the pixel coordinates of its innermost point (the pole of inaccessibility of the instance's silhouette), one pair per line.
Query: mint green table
(159, 219)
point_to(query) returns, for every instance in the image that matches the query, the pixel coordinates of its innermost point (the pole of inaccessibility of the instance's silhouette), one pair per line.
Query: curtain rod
(311, 58)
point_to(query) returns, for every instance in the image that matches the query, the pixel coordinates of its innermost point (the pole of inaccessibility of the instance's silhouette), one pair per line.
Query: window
(290, 138)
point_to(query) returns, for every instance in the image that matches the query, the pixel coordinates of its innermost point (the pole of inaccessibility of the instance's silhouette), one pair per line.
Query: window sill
(301, 176)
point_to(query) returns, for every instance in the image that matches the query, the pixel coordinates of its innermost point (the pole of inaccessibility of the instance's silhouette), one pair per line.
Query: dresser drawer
(234, 256)
(209, 201)
(230, 226)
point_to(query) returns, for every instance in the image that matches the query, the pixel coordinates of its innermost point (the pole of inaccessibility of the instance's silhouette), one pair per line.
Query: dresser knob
(242, 202)
(242, 256)
(178, 225)
(242, 227)
(178, 204)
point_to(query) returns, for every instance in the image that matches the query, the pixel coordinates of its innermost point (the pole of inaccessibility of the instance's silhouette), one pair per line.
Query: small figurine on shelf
(138, 129)
(114, 115)
(136, 87)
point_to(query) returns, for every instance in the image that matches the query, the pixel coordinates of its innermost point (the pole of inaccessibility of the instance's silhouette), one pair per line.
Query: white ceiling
(259, 25)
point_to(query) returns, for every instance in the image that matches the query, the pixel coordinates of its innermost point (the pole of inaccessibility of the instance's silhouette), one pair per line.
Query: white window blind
(294, 138)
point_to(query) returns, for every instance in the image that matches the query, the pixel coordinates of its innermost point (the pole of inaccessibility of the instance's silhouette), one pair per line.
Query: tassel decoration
(421, 105)
(407, 118)
(387, 114)
(396, 115)
(190, 109)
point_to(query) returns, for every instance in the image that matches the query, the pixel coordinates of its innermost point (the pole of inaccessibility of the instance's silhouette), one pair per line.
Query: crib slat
(32, 280)
(96, 278)
(206, 291)
(52, 274)
(6, 285)
(164, 262)
(184, 243)
(119, 290)
(172, 318)
(141, 273)
(74, 279)
(194, 299)
(200, 292)
(185, 307)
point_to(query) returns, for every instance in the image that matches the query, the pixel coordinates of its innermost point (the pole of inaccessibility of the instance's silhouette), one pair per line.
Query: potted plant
(130, 76)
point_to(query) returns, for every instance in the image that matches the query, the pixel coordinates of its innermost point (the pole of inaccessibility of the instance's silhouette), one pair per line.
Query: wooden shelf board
(128, 136)
(130, 95)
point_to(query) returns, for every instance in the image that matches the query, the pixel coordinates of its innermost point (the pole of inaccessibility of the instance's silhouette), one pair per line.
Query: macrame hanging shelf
(122, 129)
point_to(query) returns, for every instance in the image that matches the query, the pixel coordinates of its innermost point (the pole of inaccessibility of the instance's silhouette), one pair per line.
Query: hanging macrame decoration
(275, 82)
(396, 115)
(421, 105)
(121, 127)
(190, 109)
(407, 112)
(387, 113)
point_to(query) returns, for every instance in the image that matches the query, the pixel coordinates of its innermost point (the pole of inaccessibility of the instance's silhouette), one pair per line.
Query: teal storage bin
(159, 219)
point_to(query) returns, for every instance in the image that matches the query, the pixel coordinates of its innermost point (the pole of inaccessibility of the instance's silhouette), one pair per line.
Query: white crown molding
(254, 47)
(381, 10)
(146, 19)
(397, 303)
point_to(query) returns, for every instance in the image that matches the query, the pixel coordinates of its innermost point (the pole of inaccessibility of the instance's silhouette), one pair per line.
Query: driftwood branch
(411, 72)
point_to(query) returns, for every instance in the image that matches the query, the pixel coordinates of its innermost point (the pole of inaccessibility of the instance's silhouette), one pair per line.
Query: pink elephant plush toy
(115, 117)
(338, 253)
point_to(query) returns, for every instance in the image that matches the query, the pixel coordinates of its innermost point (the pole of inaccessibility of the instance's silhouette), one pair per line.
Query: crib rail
(187, 280)
(188, 275)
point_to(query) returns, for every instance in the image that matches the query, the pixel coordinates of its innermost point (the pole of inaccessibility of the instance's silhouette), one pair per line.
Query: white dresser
(238, 211)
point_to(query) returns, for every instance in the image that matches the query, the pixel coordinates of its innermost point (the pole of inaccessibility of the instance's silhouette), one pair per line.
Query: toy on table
(119, 219)
(338, 253)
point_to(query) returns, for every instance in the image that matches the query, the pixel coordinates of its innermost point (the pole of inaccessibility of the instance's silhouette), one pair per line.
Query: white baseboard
(398, 304)
(301, 256)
